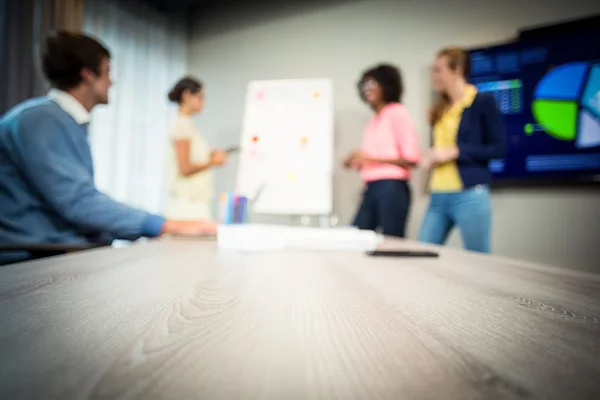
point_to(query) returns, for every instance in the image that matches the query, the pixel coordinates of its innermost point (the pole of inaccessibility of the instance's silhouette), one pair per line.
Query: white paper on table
(259, 238)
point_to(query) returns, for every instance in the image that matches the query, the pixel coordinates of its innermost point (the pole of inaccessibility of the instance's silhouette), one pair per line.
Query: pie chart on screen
(566, 103)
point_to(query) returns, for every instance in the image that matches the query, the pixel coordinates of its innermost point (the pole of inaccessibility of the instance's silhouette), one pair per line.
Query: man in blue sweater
(47, 190)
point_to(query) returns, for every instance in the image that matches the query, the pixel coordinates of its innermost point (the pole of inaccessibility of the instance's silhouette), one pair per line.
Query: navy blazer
(481, 138)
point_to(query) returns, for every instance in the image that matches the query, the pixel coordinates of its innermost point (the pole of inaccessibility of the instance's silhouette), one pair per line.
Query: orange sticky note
(255, 139)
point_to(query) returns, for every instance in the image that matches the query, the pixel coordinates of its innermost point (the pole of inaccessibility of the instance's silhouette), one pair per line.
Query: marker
(232, 149)
(229, 203)
(235, 210)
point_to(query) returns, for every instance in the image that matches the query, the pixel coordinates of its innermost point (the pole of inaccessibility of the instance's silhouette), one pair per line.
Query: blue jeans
(470, 210)
(385, 206)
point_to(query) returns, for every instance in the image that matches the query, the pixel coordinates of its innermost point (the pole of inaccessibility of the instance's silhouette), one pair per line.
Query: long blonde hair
(457, 58)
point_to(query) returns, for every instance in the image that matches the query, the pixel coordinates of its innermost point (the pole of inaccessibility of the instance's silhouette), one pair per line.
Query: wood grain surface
(177, 319)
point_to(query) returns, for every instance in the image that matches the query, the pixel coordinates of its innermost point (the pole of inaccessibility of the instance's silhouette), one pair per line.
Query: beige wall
(338, 40)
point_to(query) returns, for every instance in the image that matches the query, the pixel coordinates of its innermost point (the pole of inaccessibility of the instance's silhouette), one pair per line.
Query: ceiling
(185, 5)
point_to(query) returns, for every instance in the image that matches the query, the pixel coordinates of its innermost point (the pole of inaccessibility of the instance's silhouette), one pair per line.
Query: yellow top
(445, 177)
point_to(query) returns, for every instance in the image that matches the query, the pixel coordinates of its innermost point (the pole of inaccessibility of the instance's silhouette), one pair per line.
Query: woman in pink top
(389, 151)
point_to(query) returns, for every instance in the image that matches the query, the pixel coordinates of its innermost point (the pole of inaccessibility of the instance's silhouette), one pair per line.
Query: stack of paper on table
(257, 238)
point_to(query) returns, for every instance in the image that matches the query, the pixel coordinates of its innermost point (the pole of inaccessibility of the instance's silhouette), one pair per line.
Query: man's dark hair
(390, 80)
(66, 53)
(188, 83)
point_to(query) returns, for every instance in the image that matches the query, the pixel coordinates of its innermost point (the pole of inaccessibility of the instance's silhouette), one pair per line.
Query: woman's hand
(360, 158)
(439, 156)
(348, 160)
(218, 157)
(355, 160)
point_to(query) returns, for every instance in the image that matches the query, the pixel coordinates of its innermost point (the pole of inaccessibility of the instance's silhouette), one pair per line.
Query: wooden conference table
(177, 319)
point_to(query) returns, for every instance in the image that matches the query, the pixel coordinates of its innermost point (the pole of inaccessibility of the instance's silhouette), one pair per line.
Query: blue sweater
(481, 138)
(47, 190)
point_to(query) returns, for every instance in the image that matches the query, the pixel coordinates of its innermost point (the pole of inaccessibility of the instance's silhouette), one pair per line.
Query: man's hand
(189, 228)
(218, 157)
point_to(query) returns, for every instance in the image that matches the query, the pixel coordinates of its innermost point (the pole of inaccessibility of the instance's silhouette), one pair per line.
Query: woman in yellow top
(189, 159)
(468, 132)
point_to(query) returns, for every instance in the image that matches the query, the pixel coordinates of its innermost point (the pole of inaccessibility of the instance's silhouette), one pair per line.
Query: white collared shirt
(70, 105)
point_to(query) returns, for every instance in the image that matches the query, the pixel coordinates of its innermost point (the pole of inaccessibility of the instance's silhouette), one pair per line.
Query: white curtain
(129, 136)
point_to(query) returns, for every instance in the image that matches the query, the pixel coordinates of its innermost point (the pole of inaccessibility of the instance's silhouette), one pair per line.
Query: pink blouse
(390, 134)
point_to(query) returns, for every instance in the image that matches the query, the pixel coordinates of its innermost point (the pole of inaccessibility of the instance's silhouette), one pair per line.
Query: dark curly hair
(189, 83)
(390, 80)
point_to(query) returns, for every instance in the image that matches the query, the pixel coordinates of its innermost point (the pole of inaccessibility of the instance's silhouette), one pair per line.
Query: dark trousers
(385, 206)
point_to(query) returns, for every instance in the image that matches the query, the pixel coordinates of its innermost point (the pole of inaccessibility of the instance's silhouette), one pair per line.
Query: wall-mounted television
(548, 89)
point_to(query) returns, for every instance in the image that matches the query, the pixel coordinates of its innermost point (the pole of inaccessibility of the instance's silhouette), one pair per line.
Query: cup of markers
(233, 208)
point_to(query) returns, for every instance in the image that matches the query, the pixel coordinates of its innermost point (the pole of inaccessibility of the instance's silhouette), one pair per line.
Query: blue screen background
(511, 72)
